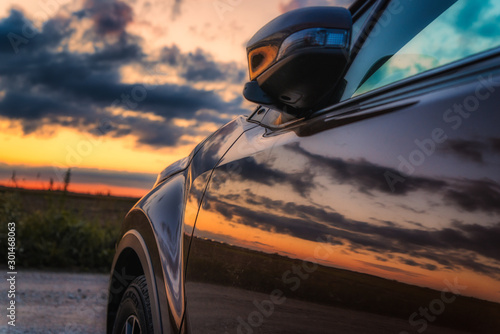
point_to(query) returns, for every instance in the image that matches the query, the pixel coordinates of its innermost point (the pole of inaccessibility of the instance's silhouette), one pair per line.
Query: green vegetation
(58, 229)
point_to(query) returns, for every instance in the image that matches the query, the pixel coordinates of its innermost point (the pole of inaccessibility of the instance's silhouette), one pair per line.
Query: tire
(134, 313)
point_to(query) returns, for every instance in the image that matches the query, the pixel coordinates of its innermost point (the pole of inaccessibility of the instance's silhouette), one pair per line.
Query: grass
(58, 230)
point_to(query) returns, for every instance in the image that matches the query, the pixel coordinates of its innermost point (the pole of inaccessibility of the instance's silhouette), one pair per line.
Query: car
(362, 195)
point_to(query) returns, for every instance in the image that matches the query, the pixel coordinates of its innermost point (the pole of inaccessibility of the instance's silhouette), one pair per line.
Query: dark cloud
(249, 170)
(44, 83)
(110, 17)
(126, 49)
(16, 105)
(199, 66)
(472, 150)
(495, 144)
(271, 222)
(475, 195)
(406, 207)
(468, 195)
(481, 238)
(365, 175)
(156, 134)
(16, 32)
(466, 150)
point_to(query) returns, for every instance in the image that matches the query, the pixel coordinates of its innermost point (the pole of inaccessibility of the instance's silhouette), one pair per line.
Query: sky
(118, 90)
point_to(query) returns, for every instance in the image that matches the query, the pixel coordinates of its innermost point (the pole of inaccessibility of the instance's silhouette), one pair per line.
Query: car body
(378, 213)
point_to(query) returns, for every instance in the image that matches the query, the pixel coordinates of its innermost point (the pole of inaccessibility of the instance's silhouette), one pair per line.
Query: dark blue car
(362, 195)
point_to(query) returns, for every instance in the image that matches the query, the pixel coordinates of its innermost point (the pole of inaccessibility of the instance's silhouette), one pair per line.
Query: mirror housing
(296, 60)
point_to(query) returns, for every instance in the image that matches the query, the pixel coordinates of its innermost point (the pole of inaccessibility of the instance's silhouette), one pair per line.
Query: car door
(378, 215)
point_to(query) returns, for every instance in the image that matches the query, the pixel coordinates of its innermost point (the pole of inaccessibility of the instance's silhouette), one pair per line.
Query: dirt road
(64, 303)
(48, 302)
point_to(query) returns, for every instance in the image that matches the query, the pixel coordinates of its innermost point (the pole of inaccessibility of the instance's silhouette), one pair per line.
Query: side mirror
(297, 59)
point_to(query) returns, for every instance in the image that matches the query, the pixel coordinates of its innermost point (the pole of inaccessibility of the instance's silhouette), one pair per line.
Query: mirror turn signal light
(260, 59)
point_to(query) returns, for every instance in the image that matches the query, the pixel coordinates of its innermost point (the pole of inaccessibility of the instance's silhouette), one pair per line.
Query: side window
(412, 37)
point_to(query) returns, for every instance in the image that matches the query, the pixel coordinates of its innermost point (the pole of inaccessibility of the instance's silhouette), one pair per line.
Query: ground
(57, 302)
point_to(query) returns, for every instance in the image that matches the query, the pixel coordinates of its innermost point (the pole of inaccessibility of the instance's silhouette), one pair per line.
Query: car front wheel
(134, 313)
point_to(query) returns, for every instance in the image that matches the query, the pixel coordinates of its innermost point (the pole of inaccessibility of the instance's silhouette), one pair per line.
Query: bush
(57, 236)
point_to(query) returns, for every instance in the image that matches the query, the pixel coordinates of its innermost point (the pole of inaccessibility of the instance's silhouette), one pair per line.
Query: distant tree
(67, 179)
(51, 184)
(14, 178)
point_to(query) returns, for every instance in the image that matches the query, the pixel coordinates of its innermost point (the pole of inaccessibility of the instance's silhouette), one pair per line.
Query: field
(56, 229)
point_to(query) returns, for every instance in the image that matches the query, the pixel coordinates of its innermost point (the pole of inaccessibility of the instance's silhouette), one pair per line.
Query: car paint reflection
(314, 217)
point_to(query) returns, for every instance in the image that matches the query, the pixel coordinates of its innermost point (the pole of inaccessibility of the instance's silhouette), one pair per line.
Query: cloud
(199, 66)
(295, 4)
(176, 9)
(109, 17)
(410, 262)
(466, 150)
(475, 195)
(495, 144)
(471, 13)
(468, 195)
(47, 84)
(17, 31)
(472, 150)
(366, 176)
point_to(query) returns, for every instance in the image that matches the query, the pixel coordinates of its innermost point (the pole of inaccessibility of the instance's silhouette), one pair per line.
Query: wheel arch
(132, 260)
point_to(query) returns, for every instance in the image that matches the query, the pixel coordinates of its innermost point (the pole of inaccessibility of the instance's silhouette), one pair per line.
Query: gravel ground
(68, 303)
(52, 302)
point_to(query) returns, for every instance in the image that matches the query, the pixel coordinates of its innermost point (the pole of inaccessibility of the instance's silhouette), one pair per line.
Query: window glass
(430, 34)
